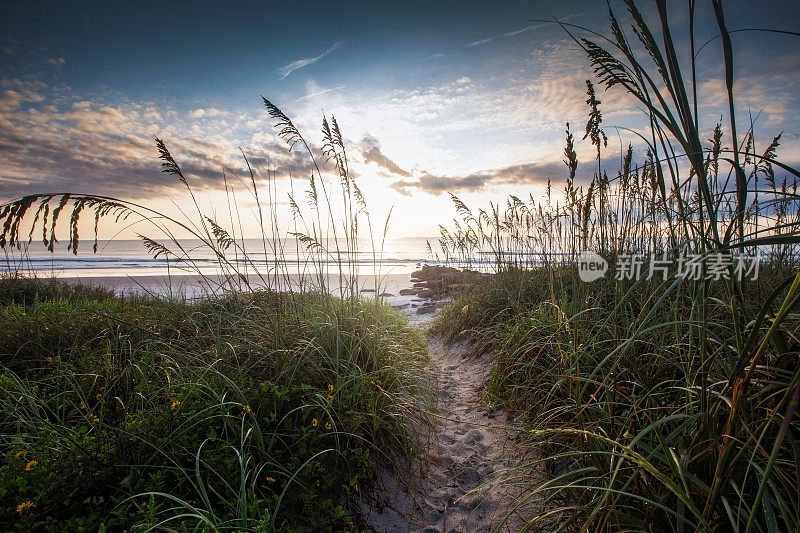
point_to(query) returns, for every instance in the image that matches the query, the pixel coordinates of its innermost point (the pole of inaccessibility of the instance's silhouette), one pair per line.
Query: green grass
(615, 405)
(654, 405)
(249, 412)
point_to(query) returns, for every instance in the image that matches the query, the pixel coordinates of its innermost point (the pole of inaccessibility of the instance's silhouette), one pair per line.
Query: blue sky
(433, 97)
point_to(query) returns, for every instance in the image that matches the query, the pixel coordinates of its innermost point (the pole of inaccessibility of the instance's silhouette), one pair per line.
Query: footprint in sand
(456, 491)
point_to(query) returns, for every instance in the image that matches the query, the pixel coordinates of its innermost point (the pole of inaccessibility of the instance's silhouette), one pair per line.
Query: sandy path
(453, 489)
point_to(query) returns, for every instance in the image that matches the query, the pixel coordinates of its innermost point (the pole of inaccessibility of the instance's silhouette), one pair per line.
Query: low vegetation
(250, 412)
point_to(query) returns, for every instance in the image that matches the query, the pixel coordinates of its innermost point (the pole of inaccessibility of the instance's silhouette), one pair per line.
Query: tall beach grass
(661, 401)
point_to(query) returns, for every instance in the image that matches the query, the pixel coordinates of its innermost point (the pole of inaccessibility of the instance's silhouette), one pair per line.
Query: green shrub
(265, 411)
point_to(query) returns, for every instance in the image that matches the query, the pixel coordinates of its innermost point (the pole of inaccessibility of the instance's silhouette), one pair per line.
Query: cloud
(523, 174)
(320, 93)
(759, 89)
(56, 61)
(209, 112)
(482, 41)
(432, 56)
(428, 103)
(526, 28)
(532, 27)
(571, 16)
(437, 184)
(371, 150)
(8, 46)
(47, 145)
(300, 63)
(12, 99)
(125, 167)
(523, 30)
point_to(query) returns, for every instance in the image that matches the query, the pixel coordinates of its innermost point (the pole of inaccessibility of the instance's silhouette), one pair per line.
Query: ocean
(125, 257)
(127, 265)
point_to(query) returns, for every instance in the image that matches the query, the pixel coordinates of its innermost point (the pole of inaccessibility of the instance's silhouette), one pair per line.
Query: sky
(469, 98)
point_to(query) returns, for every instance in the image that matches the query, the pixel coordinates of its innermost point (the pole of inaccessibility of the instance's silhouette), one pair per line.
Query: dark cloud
(525, 174)
(283, 164)
(439, 184)
(40, 165)
(130, 170)
(371, 150)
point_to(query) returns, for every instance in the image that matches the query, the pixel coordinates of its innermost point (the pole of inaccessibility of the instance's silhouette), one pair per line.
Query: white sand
(193, 285)
(454, 483)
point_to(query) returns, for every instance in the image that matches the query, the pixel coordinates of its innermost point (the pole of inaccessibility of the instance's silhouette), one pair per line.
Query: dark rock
(429, 273)
(409, 292)
(427, 308)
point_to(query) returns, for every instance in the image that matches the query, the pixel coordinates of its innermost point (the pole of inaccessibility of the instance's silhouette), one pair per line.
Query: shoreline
(416, 294)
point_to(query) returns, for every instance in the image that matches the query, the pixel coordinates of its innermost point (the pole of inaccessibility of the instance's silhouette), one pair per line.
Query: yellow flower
(330, 398)
(83, 405)
(94, 418)
(99, 396)
(356, 487)
(22, 454)
(270, 479)
(330, 387)
(246, 409)
(175, 405)
(314, 422)
(328, 426)
(24, 507)
(31, 465)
